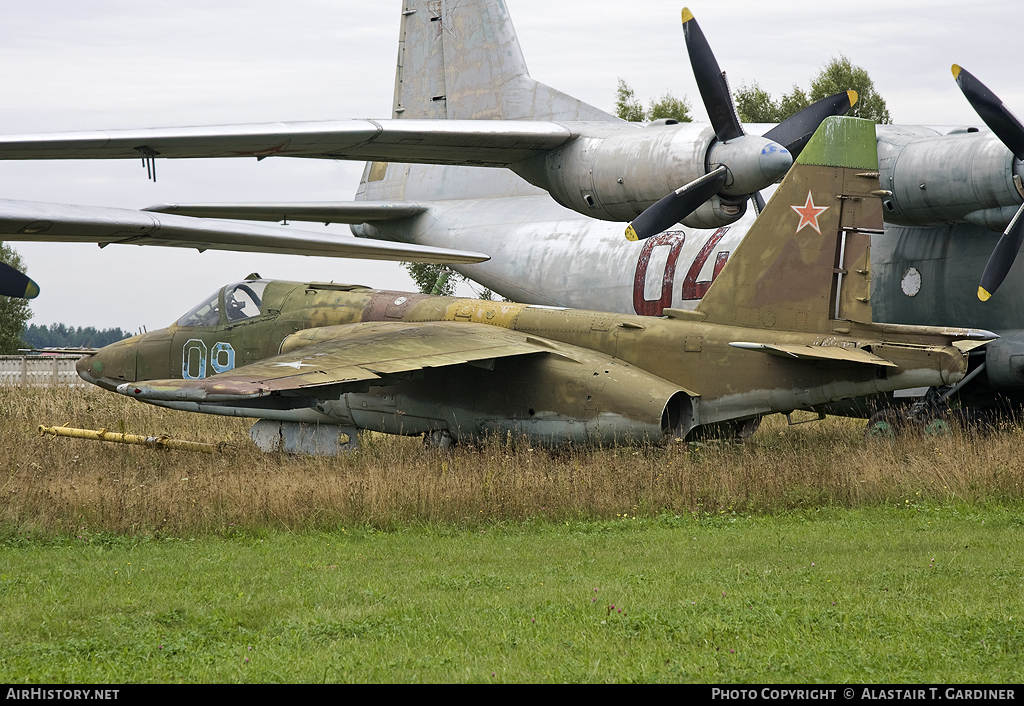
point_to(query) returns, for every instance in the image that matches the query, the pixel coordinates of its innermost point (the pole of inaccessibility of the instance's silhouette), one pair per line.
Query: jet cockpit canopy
(231, 304)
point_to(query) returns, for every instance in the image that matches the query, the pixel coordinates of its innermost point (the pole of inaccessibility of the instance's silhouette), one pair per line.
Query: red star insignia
(809, 214)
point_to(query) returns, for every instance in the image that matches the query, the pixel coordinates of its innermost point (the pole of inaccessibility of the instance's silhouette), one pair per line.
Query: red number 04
(692, 289)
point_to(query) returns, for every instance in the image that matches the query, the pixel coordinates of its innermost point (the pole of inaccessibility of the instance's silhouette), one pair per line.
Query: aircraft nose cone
(110, 365)
(83, 366)
(775, 161)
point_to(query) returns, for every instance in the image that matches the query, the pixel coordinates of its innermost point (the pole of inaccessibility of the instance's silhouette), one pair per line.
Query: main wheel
(883, 425)
(439, 439)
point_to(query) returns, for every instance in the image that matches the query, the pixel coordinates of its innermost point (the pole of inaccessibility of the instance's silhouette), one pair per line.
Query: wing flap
(834, 354)
(445, 359)
(358, 353)
(45, 222)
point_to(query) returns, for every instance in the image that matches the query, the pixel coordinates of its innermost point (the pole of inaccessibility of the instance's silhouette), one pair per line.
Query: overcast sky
(126, 64)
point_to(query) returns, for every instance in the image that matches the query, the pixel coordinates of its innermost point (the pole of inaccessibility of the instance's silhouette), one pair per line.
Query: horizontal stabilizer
(968, 346)
(824, 353)
(352, 353)
(44, 222)
(323, 212)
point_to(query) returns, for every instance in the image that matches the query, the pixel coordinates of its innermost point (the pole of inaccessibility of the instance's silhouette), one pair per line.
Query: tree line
(14, 313)
(61, 336)
(756, 105)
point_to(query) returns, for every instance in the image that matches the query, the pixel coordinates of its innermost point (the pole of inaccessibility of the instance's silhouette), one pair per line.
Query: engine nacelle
(935, 179)
(615, 176)
(716, 212)
(1004, 362)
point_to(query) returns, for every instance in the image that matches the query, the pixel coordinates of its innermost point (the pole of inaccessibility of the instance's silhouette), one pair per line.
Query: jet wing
(835, 354)
(358, 353)
(45, 222)
(456, 142)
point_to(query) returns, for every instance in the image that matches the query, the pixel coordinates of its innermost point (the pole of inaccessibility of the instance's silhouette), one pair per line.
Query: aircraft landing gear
(440, 439)
(937, 427)
(882, 425)
(927, 416)
(746, 428)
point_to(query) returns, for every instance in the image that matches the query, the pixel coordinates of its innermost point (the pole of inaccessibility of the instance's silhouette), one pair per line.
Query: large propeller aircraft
(551, 219)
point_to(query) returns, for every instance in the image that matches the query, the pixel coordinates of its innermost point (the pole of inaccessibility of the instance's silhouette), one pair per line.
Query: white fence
(30, 370)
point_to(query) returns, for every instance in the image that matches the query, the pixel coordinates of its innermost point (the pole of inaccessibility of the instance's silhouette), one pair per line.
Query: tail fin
(805, 264)
(460, 59)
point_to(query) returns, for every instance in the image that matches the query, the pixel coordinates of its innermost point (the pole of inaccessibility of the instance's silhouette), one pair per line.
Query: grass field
(922, 594)
(803, 555)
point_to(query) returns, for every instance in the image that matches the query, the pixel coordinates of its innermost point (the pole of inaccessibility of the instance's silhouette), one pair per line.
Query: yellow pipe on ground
(160, 442)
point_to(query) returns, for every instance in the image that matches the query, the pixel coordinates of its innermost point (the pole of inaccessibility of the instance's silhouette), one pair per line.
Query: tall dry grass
(74, 486)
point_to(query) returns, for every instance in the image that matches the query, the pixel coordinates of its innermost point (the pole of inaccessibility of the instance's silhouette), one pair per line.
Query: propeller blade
(711, 81)
(1011, 133)
(16, 284)
(758, 201)
(1002, 257)
(795, 131)
(676, 206)
(990, 109)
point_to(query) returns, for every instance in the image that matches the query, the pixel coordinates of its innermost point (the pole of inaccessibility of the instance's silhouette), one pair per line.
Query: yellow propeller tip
(631, 234)
(853, 97)
(32, 290)
(956, 71)
(983, 295)
(687, 15)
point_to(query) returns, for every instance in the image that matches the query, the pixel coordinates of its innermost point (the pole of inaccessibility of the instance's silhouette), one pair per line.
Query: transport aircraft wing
(453, 142)
(33, 221)
(318, 212)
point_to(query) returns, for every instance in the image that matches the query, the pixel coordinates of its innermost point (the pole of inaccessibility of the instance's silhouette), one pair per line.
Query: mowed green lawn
(890, 594)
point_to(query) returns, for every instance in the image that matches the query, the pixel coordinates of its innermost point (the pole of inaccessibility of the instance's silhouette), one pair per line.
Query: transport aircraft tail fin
(460, 59)
(805, 264)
